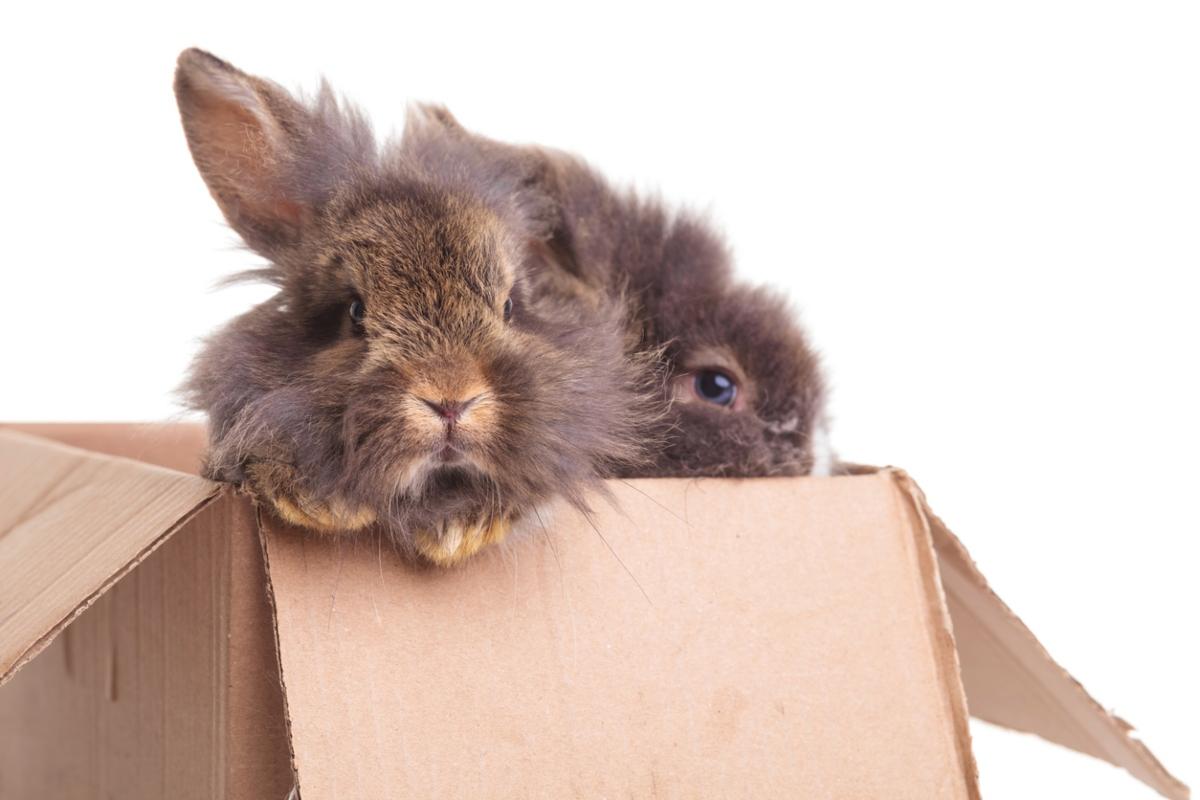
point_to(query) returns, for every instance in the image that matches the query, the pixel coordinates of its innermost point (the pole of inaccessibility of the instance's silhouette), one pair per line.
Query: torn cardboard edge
(1009, 677)
(1067, 714)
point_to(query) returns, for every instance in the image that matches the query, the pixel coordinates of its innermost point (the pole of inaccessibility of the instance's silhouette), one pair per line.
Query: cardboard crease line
(43, 641)
(945, 655)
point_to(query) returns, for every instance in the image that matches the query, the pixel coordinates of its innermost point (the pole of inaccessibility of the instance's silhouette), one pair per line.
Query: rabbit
(746, 394)
(415, 373)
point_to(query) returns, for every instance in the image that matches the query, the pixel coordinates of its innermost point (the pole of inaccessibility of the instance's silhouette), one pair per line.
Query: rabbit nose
(450, 410)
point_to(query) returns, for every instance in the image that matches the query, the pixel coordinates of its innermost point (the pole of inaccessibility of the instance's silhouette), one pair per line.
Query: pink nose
(450, 410)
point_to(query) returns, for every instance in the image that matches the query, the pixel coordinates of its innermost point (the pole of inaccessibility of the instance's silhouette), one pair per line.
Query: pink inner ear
(238, 153)
(289, 213)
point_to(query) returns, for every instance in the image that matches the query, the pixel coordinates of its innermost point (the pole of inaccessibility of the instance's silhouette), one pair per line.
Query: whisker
(588, 516)
(656, 502)
(549, 540)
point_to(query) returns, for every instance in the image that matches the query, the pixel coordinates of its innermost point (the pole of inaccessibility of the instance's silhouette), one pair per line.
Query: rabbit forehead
(406, 241)
(747, 328)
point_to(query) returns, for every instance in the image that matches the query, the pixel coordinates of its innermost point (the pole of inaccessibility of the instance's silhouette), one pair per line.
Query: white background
(987, 214)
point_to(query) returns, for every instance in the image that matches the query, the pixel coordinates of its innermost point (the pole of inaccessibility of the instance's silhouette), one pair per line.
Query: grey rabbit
(466, 329)
(415, 371)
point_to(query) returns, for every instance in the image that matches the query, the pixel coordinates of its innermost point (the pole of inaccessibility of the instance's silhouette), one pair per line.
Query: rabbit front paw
(455, 540)
(333, 517)
(276, 484)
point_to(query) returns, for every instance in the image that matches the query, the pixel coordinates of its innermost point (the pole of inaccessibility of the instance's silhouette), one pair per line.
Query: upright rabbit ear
(269, 160)
(439, 115)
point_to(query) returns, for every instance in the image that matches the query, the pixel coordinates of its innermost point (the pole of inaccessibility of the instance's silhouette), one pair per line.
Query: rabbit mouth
(450, 453)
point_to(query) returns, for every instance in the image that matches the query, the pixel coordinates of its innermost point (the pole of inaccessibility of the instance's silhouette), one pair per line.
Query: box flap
(765, 638)
(1012, 681)
(71, 524)
(174, 445)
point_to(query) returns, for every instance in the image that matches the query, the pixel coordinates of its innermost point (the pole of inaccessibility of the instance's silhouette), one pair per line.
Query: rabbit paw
(277, 485)
(332, 517)
(456, 540)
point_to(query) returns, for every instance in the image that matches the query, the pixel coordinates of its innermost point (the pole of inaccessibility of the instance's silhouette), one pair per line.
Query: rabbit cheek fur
(386, 383)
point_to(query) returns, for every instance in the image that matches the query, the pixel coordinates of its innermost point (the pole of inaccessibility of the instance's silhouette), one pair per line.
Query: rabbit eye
(715, 387)
(358, 311)
(508, 305)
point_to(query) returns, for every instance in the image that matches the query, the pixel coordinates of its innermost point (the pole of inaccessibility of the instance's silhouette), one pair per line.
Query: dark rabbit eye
(508, 309)
(358, 311)
(715, 387)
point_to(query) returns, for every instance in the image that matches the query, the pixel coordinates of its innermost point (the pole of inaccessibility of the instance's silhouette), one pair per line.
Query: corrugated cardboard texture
(174, 445)
(71, 524)
(121, 704)
(735, 575)
(767, 638)
(167, 686)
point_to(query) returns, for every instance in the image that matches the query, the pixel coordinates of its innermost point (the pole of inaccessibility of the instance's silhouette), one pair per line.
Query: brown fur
(676, 276)
(336, 423)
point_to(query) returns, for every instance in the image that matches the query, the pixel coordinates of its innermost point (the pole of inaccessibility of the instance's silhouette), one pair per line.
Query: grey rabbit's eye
(713, 386)
(358, 311)
(508, 308)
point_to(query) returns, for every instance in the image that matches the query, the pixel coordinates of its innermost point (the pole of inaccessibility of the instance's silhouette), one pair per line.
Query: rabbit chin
(433, 473)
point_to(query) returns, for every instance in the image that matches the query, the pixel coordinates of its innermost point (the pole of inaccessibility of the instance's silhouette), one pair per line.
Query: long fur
(618, 302)
(676, 277)
(307, 408)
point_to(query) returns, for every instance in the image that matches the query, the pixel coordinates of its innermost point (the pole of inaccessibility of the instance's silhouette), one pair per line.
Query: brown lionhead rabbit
(746, 395)
(415, 370)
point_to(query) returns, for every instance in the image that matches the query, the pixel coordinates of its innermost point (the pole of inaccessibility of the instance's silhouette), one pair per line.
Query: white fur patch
(787, 426)
(822, 452)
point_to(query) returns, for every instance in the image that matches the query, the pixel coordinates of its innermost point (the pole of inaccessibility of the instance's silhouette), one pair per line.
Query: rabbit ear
(269, 160)
(435, 114)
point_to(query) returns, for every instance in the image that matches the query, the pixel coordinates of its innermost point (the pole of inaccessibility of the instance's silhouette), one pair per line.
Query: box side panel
(131, 700)
(764, 638)
(71, 524)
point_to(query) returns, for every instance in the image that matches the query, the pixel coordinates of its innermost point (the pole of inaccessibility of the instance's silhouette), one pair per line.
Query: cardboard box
(808, 637)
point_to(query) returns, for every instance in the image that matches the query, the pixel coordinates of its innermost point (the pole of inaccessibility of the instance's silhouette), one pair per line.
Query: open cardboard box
(809, 637)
